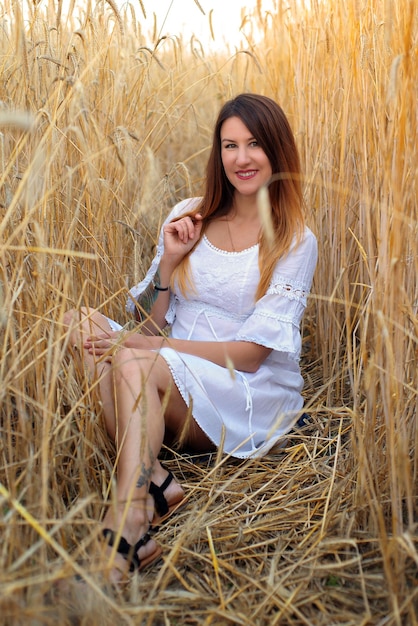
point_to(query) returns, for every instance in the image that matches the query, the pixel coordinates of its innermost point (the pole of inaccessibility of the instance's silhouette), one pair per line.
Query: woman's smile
(247, 174)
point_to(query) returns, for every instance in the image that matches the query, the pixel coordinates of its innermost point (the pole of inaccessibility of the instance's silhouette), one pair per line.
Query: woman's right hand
(180, 236)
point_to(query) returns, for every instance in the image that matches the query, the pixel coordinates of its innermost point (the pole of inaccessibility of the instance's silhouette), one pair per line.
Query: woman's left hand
(105, 344)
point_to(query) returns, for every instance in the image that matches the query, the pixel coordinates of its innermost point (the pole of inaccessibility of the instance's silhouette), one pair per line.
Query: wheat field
(101, 132)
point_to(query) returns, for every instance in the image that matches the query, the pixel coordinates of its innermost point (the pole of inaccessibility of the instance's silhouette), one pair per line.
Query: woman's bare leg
(132, 389)
(142, 380)
(88, 322)
(82, 324)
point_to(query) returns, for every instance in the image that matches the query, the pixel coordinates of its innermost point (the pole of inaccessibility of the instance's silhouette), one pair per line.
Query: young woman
(231, 281)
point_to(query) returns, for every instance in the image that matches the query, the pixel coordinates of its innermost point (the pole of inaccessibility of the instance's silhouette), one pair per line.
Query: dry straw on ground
(101, 132)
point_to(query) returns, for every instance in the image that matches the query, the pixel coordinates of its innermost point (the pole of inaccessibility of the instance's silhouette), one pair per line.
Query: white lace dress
(248, 412)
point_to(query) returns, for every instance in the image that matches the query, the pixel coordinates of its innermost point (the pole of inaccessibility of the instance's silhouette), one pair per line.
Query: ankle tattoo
(144, 476)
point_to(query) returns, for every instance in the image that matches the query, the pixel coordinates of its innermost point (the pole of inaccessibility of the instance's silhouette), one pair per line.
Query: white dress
(245, 412)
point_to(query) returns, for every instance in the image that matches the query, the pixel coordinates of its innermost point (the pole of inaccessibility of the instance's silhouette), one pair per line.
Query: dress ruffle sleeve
(275, 321)
(135, 292)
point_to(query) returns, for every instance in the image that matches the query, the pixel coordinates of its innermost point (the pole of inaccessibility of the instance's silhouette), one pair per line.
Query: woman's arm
(241, 355)
(179, 238)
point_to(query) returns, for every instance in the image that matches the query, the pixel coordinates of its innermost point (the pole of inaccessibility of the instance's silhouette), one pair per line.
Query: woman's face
(246, 165)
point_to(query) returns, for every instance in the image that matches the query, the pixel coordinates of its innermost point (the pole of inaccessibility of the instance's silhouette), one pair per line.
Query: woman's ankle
(133, 521)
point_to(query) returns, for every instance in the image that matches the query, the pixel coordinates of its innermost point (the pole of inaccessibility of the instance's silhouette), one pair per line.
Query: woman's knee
(69, 316)
(76, 316)
(140, 368)
(129, 362)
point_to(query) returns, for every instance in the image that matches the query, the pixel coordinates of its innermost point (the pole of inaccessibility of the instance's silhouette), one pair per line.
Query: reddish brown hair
(268, 124)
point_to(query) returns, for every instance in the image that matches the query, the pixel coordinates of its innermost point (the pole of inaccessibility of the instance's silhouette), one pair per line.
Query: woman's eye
(251, 144)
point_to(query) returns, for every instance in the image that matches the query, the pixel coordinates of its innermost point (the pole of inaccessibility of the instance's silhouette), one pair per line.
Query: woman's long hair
(268, 124)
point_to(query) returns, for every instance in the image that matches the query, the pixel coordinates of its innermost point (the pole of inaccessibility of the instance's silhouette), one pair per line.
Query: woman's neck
(244, 210)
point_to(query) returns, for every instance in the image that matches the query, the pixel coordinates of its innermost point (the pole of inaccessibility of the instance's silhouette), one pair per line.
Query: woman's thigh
(180, 426)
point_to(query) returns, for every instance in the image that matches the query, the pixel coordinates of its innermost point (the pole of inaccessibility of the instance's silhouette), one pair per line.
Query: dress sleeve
(275, 321)
(135, 292)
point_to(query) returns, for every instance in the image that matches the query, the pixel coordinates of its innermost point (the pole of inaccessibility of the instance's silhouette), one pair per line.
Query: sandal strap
(157, 493)
(124, 548)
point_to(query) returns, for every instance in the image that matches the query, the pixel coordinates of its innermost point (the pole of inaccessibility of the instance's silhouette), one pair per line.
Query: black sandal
(162, 508)
(129, 552)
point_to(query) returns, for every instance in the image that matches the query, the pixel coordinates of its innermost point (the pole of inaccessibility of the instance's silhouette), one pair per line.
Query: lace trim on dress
(139, 288)
(291, 290)
(178, 382)
(210, 244)
(286, 346)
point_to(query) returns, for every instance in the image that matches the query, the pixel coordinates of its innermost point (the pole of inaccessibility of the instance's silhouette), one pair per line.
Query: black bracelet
(158, 288)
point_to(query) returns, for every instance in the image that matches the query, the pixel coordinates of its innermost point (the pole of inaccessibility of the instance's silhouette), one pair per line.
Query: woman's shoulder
(302, 257)
(308, 235)
(302, 242)
(307, 241)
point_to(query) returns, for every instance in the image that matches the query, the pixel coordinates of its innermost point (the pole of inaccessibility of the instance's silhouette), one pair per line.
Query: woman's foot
(120, 550)
(167, 493)
(129, 547)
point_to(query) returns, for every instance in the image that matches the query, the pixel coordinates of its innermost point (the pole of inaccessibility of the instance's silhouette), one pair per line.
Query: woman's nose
(242, 155)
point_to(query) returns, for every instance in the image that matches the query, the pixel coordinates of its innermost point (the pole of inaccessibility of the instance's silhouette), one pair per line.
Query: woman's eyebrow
(234, 140)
